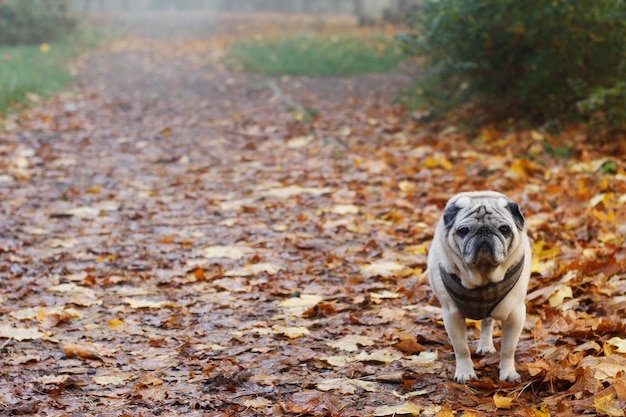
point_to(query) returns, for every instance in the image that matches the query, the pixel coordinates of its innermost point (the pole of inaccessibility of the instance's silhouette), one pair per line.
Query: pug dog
(478, 266)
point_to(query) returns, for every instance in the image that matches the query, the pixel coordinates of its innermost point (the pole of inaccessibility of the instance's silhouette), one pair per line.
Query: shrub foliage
(540, 60)
(35, 21)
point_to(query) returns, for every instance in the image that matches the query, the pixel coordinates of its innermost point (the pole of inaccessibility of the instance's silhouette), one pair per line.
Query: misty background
(365, 10)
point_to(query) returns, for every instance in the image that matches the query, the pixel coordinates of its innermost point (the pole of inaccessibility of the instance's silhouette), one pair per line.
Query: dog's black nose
(483, 231)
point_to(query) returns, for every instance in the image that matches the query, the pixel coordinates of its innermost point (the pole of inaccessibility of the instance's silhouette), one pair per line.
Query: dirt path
(178, 240)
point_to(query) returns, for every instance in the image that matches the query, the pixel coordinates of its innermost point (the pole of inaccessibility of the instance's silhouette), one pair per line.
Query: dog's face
(483, 229)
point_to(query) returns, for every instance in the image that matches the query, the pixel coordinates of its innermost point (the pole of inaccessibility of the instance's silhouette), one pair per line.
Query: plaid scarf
(478, 303)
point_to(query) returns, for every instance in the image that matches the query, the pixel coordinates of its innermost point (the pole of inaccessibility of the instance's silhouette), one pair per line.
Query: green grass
(313, 54)
(30, 69)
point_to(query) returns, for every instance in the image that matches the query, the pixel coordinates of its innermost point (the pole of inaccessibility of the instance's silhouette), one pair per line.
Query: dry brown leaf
(83, 350)
(350, 343)
(19, 333)
(347, 385)
(398, 410)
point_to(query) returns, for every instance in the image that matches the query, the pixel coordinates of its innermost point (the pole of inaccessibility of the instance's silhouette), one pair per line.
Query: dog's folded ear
(449, 214)
(518, 217)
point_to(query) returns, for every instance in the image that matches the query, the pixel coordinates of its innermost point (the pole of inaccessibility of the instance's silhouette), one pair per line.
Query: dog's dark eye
(505, 230)
(462, 231)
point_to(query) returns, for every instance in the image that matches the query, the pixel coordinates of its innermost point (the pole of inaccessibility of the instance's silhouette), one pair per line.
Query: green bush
(35, 21)
(535, 60)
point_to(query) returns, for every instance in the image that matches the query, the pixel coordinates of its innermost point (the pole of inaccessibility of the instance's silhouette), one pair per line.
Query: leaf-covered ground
(181, 240)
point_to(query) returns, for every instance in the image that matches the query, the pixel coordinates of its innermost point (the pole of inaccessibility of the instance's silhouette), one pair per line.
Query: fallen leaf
(300, 142)
(398, 410)
(502, 401)
(445, 411)
(115, 324)
(344, 209)
(115, 379)
(347, 385)
(237, 285)
(384, 294)
(259, 402)
(52, 379)
(293, 190)
(618, 344)
(385, 270)
(82, 350)
(338, 361)
(19, 333)
(254, 269)
(609, 405)
(382, 355)
(291, 332)
(143, 303)
(559, 295)
(350, 343)
(80, 295)
(230, 252)
(303, 300)
(542, 411)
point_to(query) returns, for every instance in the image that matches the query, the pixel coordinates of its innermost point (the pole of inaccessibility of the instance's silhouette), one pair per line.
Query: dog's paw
(485, 349)
(509, 376)
(463, 377)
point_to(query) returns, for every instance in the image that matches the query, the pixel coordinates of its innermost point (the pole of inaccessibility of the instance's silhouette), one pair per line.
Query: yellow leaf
(541, 412)
(556, 299)
(618, 344)
(608, 405)
(430, 162)
(502, 401)
(599, 198)
(445, 411)
(534, 135)
(518, 169)
(441, 161)
(445, 163)
(44, 48)
(115, 324)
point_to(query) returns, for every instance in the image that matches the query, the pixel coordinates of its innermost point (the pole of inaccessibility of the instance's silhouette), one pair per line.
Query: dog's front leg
(511, 331)
(485, 343)
(454, 323)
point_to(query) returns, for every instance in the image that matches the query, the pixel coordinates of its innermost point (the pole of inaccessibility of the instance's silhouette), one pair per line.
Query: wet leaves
(178, 243)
